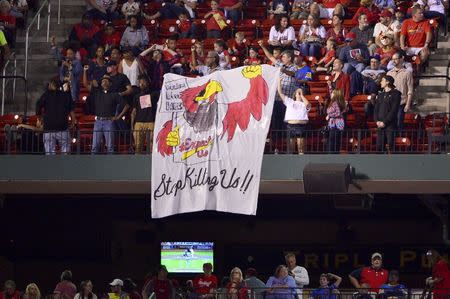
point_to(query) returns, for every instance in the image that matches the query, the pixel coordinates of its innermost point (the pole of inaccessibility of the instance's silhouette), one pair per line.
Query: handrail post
(3, 88)
(14, 80)
(48, 21)
(25, 73)
(39, 21)
(59, 12)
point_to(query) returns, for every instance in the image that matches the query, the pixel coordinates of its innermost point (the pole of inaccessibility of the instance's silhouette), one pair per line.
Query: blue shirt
(324, 292)
(394, 290)
(304, 73)
(281, 293)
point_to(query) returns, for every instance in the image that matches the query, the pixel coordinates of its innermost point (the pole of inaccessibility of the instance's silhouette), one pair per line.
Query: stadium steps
(430, 94)
(42, 66)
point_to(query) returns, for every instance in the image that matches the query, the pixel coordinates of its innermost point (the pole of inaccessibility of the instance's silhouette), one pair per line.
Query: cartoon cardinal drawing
(201, 106)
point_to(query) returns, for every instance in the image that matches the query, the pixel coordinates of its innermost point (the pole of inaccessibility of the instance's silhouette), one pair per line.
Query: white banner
(209, 140)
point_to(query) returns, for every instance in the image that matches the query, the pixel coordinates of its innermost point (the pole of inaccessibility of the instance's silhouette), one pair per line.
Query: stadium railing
(14, 140)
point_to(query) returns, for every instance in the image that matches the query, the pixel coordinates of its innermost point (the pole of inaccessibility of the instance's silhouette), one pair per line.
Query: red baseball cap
(386, 13)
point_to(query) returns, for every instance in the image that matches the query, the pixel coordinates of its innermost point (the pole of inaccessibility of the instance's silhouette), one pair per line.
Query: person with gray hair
(65, 289)
(300, 274)
(211, 64)
(10, 291)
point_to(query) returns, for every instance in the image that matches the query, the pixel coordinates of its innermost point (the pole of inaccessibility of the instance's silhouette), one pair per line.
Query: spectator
(232, 8)
(105, 104)
(116, 286)
(440, 279)
(224, 55)
(119, 82)
(355, 55)
(103, 10)
(364, 33)
(368, 8)
(173, 56)
(404, 83)
(131, 67)
(85, 291)
(253, 58)
(386, 25)
(160, 285)
(84, 33)
(435, 9)
(197, 54)
(70, 71)
(363, 292)
(97, 67)
(205, 284)
(371, 77)
(65, 289)
(296, 118)
(327, 289)
(129, 287)
(115, 55)
(278, 7)
(156, 67)
(335, 109)
(393, 288)
(303, 76)
(339, 80)
(186, 29)
(281, 285)
(109, 38)
(254, 283)
(211, 66)
(135, 35)
(325, 64)
(237, 45)
(281, 34)
(400, 13)
(8, 22)
(171, 11)
(374, 276)
(56, 105)
(301, 9)
(215, 21)
(384, 4)
(385, 114)
(312, 36)
(131, 8)
(32, 292)
(236, 288)
(329, 8)
(337, 31)
(10, 291)
(388, 49)
(415, 35)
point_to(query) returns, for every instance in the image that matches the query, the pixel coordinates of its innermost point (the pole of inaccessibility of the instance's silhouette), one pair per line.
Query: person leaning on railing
(374, 275)
(440, 279)
(236, 288)
(393, 288)
(204, 285)
(298, 273)
(281, 285)
(327, 289)
(10, 291)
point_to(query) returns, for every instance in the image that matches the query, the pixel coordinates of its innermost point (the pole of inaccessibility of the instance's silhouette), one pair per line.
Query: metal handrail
(12, 57)
(25, 90)
(36, 19)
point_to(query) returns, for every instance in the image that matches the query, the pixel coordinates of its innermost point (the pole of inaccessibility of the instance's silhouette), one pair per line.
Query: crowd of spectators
(289, 281)
(335, 51)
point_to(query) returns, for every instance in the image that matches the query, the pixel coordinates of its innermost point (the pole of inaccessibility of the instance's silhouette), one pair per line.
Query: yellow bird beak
(212, 88)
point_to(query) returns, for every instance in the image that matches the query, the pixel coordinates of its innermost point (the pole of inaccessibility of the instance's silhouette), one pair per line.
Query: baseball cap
(116, 282)
(391, 81)
(376, 57)
(350, 36)
(111, 63)
(386, 13)
(377, 254)
(401, 9)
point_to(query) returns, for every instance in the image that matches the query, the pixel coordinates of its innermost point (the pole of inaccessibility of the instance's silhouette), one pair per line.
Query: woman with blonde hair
(32, 292)
(281, 285)
(335, 110)
(236, 288)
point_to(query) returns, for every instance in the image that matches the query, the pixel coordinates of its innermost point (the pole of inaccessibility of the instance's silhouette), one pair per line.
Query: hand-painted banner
(209, 140)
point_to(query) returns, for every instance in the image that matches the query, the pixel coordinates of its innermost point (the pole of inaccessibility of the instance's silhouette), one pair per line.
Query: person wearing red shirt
(10, 291)
(109, 37)
(415, 35)
(232, 8)
(339, 80)
(215, 21)
(236, 288)
(84, 33)
(160, 285)
(206, 283)
(370, 10)
(440, 280)
(374, 276)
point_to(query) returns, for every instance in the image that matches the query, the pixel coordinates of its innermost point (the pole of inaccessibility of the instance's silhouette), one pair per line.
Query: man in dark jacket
(385, 112)
(55, 105)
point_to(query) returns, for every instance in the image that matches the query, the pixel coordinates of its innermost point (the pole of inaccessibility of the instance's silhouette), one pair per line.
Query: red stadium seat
(249, 27)
(167, 28)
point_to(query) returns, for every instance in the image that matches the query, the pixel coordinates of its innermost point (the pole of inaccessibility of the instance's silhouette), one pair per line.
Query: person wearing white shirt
(387, 24)
(130, 8)
(282, 33)
(300, 274)
(296, 117)
(312, 36)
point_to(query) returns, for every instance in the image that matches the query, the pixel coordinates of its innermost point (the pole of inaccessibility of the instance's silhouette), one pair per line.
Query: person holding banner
(296, 117)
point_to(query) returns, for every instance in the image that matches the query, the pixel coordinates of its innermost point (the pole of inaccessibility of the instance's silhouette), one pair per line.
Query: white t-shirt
(287, 35)
(295, 110)
(130, 9)
(394, 27)
(301, 277)
(433, 5)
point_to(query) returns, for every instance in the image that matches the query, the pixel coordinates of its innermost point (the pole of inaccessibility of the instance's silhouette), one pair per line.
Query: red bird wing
(163, 148)
(188, 97)
(238, 113)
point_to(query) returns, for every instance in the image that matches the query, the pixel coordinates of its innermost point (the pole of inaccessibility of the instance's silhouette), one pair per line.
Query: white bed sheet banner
(209, 140)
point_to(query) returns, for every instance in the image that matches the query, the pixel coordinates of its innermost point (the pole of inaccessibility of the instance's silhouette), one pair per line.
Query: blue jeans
(351, 67)
(50, 139)
(310, 49)
(103, 128)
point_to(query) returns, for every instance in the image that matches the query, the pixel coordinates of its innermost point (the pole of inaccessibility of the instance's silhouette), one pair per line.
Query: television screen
(186, 257)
